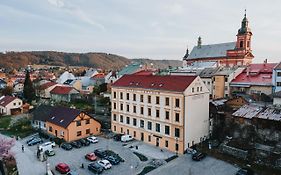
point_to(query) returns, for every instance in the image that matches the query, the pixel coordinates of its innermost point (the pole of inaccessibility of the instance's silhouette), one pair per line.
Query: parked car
(91, 156)
(198, 156)
(100, 153)
(35, 141)
(76, 144)
(190, 151)
(84, 142)
(117, 137)
(93, 139)
(126, 138)
(72, 173)
(116, 156)
(112, 160)
(47, 146)
(66, 146)
(105, 164)
(30, 139)
(245, 171)
(50, 153)
(63, 168)
(95, 168)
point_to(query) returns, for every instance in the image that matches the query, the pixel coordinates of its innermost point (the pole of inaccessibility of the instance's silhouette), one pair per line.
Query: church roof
(211, 51)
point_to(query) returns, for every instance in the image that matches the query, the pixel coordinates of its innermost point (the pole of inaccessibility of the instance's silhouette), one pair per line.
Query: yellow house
(71, 124)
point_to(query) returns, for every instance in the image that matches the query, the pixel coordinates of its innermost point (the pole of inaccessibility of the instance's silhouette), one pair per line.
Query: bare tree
(5, 147)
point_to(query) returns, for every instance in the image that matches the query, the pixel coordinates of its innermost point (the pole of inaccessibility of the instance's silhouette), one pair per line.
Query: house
(207, 75)
(40, 116)
(3, 84)
(98, 79)
(130, 69)
(255, 79)
(44, 89)
(229, 54)
(277, 98)
(18, 87)
(91, 72)
(66, 123)
(65, 76)
(71, 124)
(276, 78)
(170, 112)
(111, 77)
(236, 102)
(64, 93)
(76, 83)
(10, 105)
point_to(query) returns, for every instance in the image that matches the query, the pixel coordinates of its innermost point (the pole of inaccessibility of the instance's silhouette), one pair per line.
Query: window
(121, 107)
(157, 127)
(121, 130)
(149, 111)
(134, 121)
(167, 115)
(128, 108)
(157, 113)
(167, 130)
(79, 133)
(78, 123)
(128, 131)
(128, 96)
(141, 123)
(177, 146)
(278, 74)
(114, 117)
(19, 103)
(157, 100)
(141, 98)
(114, 94)
(225, 79)
(177, 117)
(225, 88)
(201, 89)
(15, 104)
(166, 143)
(149, 125)
(135, 109)
(135, 134)
(88, 131)
(192, 90)
(61, 133)
(241, 44)
(149, 138)
(177, 132)
(87, 121)
(114, 128)
(50, 129)
(167, 101)
(128, 120)
(197, 89)
(114, 105)
(177, 103)
(278, 84)
(148, 99)
(121, 118)
(141, 110)
(121, 95)
(134, 97)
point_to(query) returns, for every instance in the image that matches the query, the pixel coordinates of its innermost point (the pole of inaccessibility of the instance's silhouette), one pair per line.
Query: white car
(93, 139)
(126, 138)
(105, 164)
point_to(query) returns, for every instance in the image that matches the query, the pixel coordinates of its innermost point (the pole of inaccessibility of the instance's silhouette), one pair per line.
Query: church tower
(244, 35)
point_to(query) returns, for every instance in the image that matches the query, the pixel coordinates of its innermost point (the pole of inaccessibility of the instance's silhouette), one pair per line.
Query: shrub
(141, 157)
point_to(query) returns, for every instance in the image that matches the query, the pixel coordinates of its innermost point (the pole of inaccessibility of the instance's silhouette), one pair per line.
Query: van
(126, 138)
(47, 146)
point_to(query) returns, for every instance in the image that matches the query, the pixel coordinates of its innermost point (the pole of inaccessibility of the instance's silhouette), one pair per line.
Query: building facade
(10, 105)
(276, 78)
(170, 112)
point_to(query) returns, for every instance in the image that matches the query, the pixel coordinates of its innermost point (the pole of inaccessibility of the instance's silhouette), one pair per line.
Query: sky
(156, 29)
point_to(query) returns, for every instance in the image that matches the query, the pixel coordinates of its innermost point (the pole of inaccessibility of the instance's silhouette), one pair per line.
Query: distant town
(219, 113)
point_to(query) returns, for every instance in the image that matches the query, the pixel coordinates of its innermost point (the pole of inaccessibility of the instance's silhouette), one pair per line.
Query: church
(229, 54)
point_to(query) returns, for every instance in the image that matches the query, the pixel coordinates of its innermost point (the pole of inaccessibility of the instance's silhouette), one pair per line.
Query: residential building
(98, 79)
(45, 89)
(255, 79)
(277, 98)
(222, 79)
(10, 105)
(18, 87)
(130, 69)
(226, 54)
(76, 83)
(40, 116)
(170, 112)
(67, 123)
(276, 78)
(207, 75)
(65, 76)
(64, 93)
(3, 84)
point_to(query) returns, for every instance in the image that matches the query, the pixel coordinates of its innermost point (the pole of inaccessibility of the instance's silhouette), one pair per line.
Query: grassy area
(141, 157)
(5, 122)
(146, 170)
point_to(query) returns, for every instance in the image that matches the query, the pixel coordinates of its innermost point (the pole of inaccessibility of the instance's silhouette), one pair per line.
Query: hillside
(96, 60)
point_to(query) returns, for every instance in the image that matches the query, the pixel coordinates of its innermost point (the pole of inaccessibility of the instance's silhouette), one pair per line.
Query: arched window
(241, 44)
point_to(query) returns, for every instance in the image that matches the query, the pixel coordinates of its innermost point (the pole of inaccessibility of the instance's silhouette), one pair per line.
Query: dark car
(112, 160)
(245, 171)
(63, 168)
(35, 141)
(30, 139)
(198, 156)
(117, 137)
(76, 144)
(95, 168)
(116, 156)
(84, 142)
(100, 153)
(66, 146)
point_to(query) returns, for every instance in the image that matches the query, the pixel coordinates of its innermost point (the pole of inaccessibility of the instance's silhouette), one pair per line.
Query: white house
(276, 78)
(18, 87)
(10, 105)
(45, 89)
(65, 76)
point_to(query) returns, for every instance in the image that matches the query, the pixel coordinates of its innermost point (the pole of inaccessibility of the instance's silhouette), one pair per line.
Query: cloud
(75, 11)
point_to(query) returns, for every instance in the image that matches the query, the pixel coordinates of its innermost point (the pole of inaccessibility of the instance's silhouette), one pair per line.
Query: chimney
(265, 61)
(199, 42)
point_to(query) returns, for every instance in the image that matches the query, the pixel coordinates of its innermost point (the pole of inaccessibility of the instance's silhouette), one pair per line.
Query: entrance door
(56, 133)
(142, 136)
(157, 142)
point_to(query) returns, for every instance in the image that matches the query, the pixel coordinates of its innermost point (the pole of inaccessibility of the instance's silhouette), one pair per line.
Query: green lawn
(5, 122)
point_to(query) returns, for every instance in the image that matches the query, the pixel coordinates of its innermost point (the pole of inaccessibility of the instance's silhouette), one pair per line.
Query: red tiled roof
(63, 90)
(99, 75)
(168, 82)
(47, 85)
(259, 74)
(5, 100)
(144, 72)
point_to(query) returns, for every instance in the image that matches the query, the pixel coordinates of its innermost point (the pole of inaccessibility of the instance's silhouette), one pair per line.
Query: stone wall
(239, 153)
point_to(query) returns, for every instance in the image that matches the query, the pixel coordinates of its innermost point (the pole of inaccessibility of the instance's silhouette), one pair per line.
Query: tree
(28, 89)
(5, 147)
(7, 90)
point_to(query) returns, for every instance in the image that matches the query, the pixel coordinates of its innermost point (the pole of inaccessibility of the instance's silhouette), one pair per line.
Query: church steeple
(244, 35)
(244, 25)
(186, 53)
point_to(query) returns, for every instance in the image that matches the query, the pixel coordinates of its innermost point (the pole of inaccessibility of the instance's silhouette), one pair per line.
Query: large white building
(171, 112)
